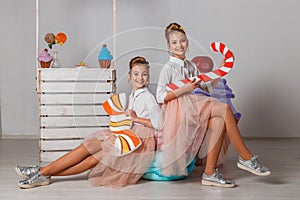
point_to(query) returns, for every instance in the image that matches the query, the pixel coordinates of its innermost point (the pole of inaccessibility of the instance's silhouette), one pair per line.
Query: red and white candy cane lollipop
(215, 74)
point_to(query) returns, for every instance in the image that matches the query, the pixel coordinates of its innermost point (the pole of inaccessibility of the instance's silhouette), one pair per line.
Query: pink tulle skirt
(186, 134)
(120, 171)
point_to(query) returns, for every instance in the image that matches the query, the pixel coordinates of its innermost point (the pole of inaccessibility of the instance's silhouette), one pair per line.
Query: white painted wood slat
(74, 121)
(77, 74)
(47, 157)
(54, 145)
(68, 133)
(76, 87)
(78, 110)
(93, 98)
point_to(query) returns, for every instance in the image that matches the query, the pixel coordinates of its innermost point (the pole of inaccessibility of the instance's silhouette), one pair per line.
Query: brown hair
(173, 27)
(137, 60)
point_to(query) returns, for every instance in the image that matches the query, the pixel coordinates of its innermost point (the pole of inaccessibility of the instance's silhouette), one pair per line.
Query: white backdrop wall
(264, 35)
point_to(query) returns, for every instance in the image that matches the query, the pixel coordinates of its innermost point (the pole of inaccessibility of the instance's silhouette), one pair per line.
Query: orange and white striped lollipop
(120, 124)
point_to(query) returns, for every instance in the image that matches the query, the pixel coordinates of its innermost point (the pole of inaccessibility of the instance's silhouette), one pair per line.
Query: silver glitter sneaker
(217, 179)
(27, 171)
(253, 166)
(34, 181)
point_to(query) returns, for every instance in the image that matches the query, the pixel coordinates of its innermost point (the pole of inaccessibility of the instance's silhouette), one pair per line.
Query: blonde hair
(173, 27)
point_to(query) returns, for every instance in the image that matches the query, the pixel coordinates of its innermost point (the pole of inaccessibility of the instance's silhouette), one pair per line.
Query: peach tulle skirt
(186, 133)
(120, 171)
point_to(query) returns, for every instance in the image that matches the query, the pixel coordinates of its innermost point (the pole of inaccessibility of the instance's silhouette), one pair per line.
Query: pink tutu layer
(120, 171)
(185, 133)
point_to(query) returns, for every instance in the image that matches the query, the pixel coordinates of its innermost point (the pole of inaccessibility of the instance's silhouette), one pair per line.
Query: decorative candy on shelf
(217, 73)
(81, 64)
(120, 124)
(104, 57)
(45, 59)
(60, 38)
(52, 39)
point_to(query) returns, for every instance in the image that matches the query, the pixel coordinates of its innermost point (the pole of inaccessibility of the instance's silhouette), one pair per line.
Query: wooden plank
(70, 110)
(47, 157)
(76, 87)
(68, 133)
(77, 74)
(76, 121)
(73, 98)
(54, 145)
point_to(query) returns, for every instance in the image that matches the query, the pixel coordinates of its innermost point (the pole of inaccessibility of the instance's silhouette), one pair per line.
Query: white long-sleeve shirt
(174, 70)
(145, 106)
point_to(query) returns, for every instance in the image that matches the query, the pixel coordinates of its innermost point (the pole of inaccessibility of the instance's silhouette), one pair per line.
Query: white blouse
(145, 106)
(175, 70)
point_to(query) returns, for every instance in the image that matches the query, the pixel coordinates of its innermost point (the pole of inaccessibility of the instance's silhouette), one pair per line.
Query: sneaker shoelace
(255, 162)
(32, 170)
(219, 175)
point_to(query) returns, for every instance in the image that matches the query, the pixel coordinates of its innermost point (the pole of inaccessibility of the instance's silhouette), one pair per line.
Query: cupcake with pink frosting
(45, 59)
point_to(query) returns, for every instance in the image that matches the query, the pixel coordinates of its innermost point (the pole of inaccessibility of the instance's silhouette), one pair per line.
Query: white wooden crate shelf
(71, 106)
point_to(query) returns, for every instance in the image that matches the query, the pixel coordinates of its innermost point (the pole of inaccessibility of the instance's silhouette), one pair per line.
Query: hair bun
(173, 27)
(138, 60)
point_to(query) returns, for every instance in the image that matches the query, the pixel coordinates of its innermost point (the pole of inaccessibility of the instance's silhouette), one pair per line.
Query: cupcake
(45, 59)
(104, 57)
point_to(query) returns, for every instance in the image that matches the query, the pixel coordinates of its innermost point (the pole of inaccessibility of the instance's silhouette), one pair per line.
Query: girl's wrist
(135, 119)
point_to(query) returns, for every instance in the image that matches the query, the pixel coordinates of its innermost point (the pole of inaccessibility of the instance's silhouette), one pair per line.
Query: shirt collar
(136, 93)
(177, 61)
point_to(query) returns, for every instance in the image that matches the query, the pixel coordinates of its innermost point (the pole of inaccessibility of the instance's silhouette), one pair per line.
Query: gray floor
(281, 155)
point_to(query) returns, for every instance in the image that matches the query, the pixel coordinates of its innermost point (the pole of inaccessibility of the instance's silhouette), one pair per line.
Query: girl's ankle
(209, 172)
(42, 171)
(246, 157)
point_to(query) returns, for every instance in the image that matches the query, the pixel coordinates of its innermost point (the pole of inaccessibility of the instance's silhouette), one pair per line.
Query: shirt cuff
(161, 98)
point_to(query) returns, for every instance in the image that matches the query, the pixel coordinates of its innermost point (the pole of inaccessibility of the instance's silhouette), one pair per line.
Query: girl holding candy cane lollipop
(98, 151)
(195, 125)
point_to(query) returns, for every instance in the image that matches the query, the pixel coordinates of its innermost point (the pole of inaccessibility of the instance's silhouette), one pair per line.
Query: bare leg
(223, 111)
(234, 135)
(215, 144)
(72, 158)
(86, 164)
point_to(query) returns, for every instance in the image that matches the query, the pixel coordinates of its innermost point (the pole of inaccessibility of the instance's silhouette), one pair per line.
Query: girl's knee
(92, 146)
(227, 107)
(97, 156)
(92, 161)
(220, 109)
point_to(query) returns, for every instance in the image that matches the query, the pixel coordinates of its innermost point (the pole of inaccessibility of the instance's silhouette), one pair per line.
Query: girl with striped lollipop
(99, 153)
(196, 125)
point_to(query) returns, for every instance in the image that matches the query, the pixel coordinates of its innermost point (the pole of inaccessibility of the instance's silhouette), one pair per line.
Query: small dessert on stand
(45, 59)
(104, 57)
(81, 64)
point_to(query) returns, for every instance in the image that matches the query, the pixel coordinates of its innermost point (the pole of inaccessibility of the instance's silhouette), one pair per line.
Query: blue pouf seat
(153, 173)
